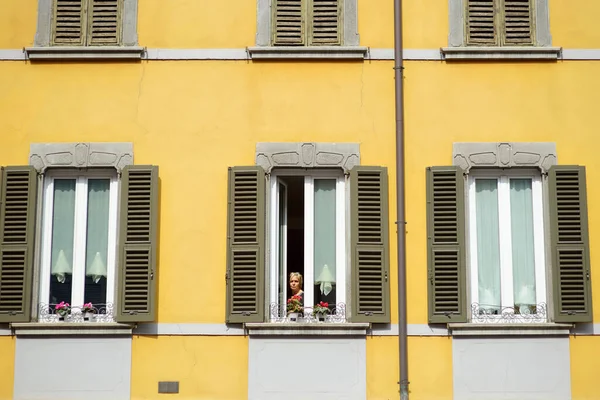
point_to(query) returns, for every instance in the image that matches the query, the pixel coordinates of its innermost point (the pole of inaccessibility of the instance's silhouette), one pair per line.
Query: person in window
(296, 286)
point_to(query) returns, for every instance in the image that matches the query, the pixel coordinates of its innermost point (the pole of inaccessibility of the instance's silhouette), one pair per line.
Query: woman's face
(294, 284)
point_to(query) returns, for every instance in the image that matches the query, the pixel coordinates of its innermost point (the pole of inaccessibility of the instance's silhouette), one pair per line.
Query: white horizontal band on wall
(242, 54)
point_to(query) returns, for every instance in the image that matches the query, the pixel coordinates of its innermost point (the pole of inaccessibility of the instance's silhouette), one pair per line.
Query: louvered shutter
(325, 22)
(245, 245)
(446, 245)
(289, 23)
(68, 27)
(482, 22)
(138, 219)
(370, 244)
(517, 22)
(570, 244)
(17, 226)
(104, 22)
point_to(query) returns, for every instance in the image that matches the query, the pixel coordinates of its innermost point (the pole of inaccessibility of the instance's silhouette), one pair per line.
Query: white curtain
(97, 228)
(63, 228)
(521, 218)
(488, 244)
(324, 230)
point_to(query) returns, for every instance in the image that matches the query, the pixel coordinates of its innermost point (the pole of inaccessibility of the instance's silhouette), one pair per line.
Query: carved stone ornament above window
(80, 155)
(540, 155)
(307, 155)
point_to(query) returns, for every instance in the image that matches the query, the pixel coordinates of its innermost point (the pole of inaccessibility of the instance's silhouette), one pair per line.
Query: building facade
(172, 162)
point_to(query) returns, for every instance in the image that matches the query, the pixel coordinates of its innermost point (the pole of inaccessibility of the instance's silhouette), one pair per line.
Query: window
(86, 29)
(318, 221)
(499, 22)
(506, 242)
(308, 236)
(492, 247)
(79, 240)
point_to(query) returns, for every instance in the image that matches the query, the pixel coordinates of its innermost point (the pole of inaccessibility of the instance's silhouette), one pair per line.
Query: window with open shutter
(302, 22)
(87, 22)
(370, 245)
(499, 22)
(17, 224)
(570, 244)
(245, 245)
(137, 244)
(446, 245)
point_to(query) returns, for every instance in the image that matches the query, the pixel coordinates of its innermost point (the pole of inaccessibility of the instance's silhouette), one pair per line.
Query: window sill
(537, 329)
(85, 53)
(501, 53)
(308, 53)
(71, 329)
(300, 329)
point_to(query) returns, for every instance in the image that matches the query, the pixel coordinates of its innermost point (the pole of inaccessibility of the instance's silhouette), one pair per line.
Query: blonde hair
(296, 275)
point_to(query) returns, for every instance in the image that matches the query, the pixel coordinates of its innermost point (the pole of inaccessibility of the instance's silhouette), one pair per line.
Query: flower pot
(294, 316)
(88, 317)
(321, 317)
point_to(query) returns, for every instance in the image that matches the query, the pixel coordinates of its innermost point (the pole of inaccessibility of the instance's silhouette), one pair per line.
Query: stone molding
(80, 155)
(307, 155)
(299, 329)
(540, 155)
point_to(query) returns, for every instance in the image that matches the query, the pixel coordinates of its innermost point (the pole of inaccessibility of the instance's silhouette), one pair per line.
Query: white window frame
(341, 234)
(507, 295)
(77, 295)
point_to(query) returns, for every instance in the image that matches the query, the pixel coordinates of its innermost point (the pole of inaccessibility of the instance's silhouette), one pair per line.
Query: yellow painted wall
(7, 361)
(207, 367)
(430, 368)
(232, 24)
(585, 364)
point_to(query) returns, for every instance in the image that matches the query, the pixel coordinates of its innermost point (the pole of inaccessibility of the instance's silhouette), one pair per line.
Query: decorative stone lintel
(80, 155)
(270, 155)
(71, 329)
(549, 329)
(85, 52)
(501, 53)
(309, 53)
(300, 329)
(540, 155)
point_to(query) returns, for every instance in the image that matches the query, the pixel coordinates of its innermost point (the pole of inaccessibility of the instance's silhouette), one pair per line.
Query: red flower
(323, 304)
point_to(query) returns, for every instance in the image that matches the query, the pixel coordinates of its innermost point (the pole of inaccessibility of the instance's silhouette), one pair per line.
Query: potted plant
(294, 308)
(321, 310)
(88, 311)
(62, 309)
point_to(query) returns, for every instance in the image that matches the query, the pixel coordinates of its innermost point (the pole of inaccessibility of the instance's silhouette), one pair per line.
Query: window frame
(79, 239)
(540, 237)
(341, 233)
(127, 49)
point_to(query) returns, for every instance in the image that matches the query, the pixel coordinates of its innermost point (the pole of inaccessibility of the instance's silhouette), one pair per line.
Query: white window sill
(308, 53)
(85, 53)
(521, 329)
(501, 53)
(301, 329)
(71, 329)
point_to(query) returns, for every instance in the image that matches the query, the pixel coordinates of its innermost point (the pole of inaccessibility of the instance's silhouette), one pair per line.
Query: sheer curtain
(97, 228)
(63, 228)
(521, 218)
(488, 244)
(324, 240)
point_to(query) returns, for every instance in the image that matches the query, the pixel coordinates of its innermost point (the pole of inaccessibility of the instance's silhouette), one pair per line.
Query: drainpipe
(400, 200)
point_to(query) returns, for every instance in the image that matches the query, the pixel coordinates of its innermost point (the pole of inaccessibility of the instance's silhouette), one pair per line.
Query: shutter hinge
(587, 275)
(385, 276)
(151, 275)
(431, 278)
(226, 276)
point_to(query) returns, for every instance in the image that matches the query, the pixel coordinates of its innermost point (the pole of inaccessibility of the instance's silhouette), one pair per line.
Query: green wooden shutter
(289, 22)
(325, 18)
(104, 23)
(570, 244)
(446, 245)
(518, 29)
(137, 244)
(245, 245)
(370, 244)
(481, 19)
(68, 27)
(17, 226)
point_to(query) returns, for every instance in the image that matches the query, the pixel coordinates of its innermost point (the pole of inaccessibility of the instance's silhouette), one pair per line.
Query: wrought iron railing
(337, 314)
(47, 313)
(534, 313)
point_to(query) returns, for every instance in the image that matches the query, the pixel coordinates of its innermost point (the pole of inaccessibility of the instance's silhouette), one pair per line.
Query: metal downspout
(400, 202)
